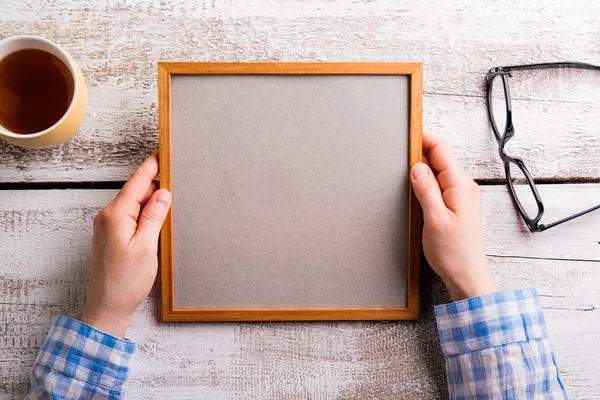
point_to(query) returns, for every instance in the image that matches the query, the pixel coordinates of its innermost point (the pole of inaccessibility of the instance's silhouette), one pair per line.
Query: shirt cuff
(81, 351)
(490, 320)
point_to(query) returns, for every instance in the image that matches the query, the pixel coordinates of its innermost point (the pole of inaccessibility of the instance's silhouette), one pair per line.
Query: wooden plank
(507, 235)
(119, 44)
(44, 273)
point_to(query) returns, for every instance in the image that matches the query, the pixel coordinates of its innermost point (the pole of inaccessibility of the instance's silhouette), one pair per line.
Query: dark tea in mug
(36, 89)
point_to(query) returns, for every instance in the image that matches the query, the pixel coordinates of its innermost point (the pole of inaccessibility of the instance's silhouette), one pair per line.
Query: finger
(443, 161)
(152, 217)
(154, 186)
(425, 160)
(134, 193)
(428, 192)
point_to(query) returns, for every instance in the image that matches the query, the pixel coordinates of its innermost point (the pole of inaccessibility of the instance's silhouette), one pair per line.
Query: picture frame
(168, 70)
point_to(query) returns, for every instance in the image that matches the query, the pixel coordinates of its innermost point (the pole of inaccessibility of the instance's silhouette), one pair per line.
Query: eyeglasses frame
(509, 131)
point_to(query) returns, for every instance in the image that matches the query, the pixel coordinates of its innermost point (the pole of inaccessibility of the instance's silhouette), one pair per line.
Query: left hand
(124, 251)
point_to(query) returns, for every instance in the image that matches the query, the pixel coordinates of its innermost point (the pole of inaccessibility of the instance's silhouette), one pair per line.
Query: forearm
(497, 345)
(79, 361)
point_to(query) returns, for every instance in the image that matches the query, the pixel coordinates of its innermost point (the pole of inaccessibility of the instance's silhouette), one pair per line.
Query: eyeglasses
(522, 188)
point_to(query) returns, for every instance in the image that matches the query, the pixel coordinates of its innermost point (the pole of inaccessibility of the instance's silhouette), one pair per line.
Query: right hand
(452, 231)
(124, 251)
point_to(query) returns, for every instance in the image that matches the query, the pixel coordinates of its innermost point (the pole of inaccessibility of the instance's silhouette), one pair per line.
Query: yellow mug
(72, 119)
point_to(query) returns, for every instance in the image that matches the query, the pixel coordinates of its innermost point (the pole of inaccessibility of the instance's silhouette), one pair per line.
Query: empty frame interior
(291, 196)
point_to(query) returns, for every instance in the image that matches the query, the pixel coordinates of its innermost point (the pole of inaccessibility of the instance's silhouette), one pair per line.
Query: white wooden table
(45, 230)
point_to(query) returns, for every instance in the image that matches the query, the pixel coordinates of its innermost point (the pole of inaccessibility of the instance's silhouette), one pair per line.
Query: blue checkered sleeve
(78, 361)
(497, 347)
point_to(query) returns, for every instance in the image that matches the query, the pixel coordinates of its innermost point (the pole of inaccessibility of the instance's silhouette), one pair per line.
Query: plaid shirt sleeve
(78, 361)
(497, 347)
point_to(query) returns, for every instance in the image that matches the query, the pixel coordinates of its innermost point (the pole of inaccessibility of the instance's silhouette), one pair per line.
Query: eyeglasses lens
(522, 190)
(498, 105)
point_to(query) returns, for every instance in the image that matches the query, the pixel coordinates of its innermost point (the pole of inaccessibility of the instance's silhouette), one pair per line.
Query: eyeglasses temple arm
(589, 210)
(553, 65)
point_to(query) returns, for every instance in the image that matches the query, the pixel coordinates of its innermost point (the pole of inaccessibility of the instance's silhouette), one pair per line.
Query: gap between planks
(545, 258)
(117, 185)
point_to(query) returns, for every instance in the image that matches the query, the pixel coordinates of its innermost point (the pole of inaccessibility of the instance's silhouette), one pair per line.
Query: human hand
(124, 251)
(452, 231)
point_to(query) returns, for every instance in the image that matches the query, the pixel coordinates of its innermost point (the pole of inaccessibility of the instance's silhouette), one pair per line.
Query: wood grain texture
(118, 45)
(414, 208)
(46, 235)
(415, 131)
(166, 233)
(290, 314)
(507, 235)
(290, 68)
(47, 245)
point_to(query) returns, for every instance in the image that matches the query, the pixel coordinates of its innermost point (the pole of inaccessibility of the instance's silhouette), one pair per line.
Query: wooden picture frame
(169, 313)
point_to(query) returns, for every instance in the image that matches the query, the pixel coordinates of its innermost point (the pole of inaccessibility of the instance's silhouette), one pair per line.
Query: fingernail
(419, 171)
(163, 198)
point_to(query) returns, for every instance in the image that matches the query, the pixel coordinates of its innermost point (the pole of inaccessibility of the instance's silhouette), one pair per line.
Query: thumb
(153, 215)
(428, 192)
